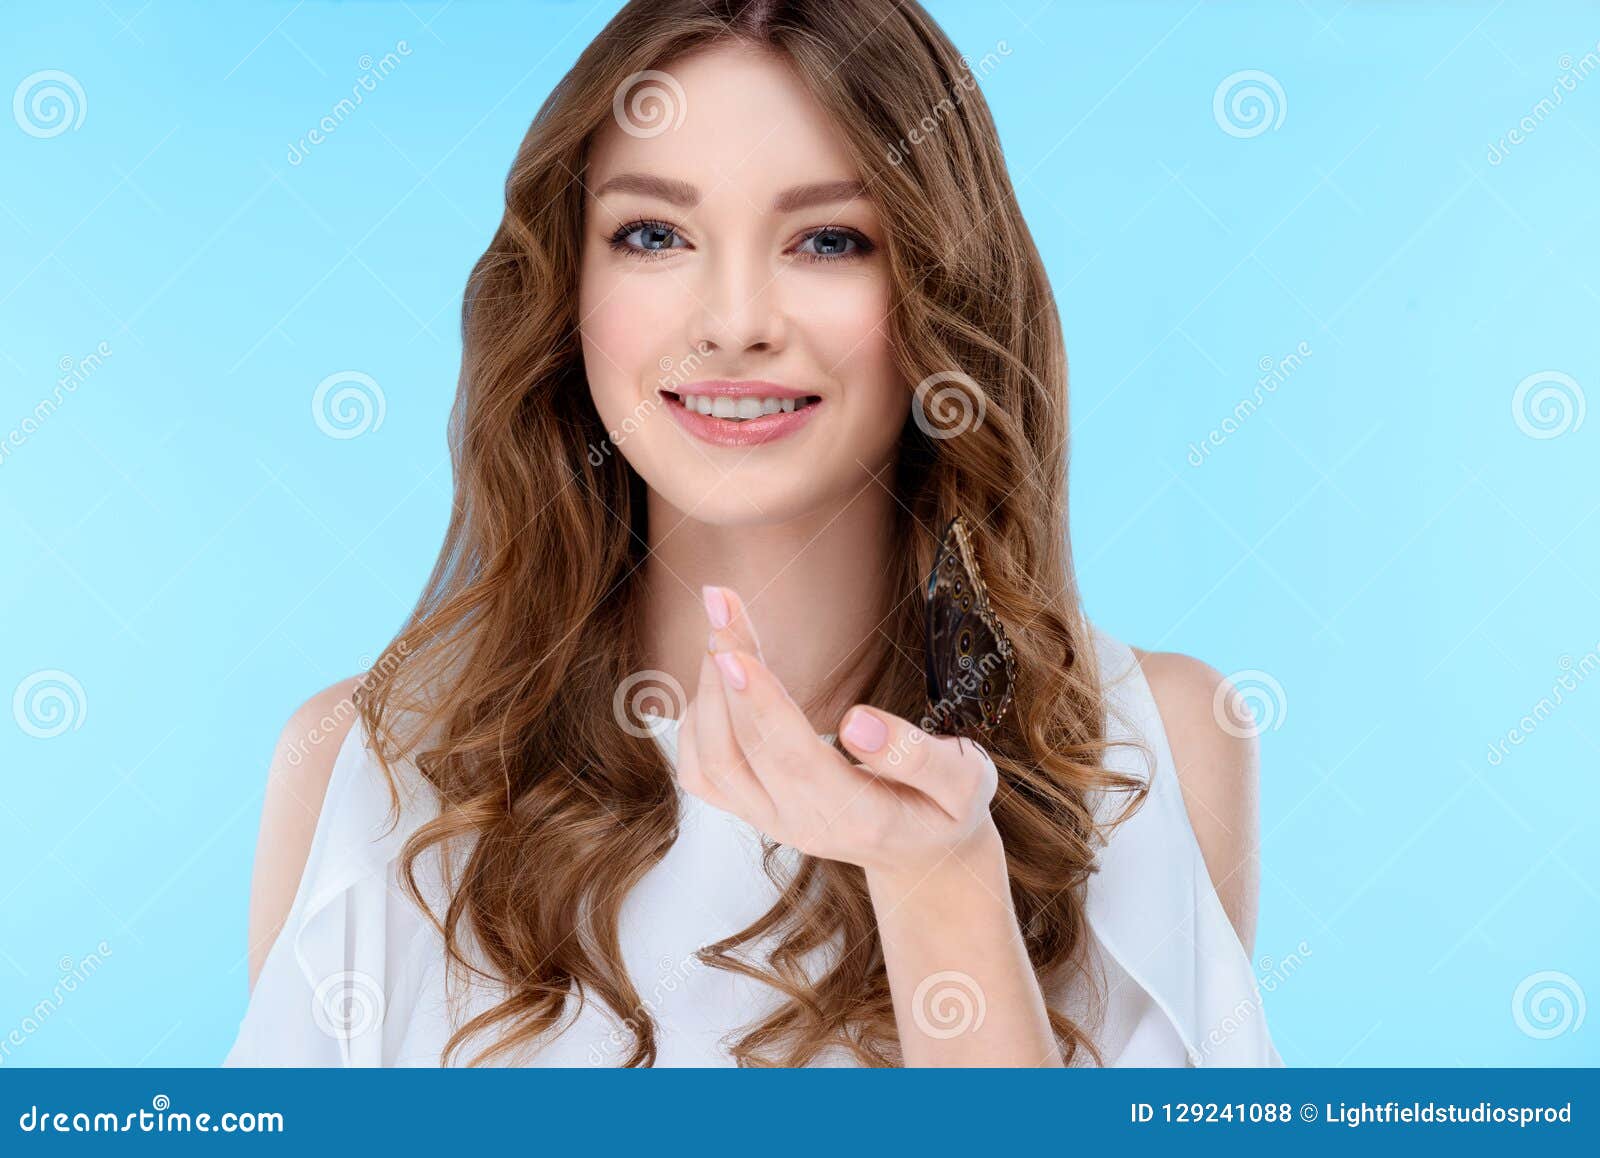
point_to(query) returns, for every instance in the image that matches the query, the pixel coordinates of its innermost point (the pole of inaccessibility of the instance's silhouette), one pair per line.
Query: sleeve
(331, 988)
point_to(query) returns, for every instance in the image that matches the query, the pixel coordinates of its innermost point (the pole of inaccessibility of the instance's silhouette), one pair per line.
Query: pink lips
(750, 431)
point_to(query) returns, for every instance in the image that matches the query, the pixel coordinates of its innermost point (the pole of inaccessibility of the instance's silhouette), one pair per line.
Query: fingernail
(711, 643)
(865, 731)
(716, 606)
(732, 671)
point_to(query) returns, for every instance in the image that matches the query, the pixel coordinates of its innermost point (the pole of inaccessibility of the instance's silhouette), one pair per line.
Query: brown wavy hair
(530, 621)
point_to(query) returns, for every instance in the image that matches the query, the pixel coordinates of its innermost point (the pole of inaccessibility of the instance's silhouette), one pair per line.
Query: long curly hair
(530, 622)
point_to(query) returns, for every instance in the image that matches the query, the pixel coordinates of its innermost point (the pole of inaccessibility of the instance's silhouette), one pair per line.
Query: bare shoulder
(296, 783)
(1219, 772)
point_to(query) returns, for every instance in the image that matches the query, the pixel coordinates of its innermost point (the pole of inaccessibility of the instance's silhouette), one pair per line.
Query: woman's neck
(814, 586)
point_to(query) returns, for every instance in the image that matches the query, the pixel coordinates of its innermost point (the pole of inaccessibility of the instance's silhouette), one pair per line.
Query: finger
(775, 736)
(720, 761)
(954, 771)
(731, 626)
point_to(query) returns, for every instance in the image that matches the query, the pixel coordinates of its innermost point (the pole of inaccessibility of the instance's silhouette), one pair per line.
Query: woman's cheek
(621, 326)
(858, 352)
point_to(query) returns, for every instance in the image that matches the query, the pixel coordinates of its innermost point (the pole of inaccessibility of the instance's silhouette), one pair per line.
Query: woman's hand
(915, 800)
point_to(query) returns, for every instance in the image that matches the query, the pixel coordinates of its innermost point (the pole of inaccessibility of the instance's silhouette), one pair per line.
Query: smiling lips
(740, 413)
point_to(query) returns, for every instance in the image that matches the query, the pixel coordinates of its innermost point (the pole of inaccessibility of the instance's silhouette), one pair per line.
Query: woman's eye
(832, 244)
(653, 237)
(645, 239)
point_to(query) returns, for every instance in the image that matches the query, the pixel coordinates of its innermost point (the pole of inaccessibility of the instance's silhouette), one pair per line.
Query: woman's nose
(736, 304)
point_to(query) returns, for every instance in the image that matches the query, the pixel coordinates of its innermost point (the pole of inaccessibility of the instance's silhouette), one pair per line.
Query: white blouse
(356, 977)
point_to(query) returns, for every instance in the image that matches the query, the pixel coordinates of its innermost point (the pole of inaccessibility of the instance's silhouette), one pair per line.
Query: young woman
(641, 781)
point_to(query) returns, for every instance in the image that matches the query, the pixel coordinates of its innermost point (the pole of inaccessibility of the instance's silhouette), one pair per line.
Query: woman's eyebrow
(685, 195)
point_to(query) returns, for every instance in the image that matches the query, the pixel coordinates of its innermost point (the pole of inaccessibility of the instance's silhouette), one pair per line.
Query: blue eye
(657, 238)
(831, 245)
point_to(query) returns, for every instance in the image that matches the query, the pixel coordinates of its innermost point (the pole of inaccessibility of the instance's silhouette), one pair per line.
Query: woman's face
(725, 248)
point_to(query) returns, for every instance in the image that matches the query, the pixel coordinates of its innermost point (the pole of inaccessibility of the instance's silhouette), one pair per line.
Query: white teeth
(738, 409)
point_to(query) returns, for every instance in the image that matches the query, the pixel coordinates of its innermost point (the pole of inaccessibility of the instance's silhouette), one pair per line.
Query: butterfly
(969, 663)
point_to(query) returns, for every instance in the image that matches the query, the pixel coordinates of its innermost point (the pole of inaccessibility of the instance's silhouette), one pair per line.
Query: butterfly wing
(969, 665)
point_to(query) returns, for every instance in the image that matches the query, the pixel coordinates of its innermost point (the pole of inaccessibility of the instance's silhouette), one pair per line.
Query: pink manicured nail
(716, 606)
(731, 669)
(865, 731)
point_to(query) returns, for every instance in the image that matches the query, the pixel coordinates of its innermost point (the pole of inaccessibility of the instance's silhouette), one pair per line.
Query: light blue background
(1382, 536)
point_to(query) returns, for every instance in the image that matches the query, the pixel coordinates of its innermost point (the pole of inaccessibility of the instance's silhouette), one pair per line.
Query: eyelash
(618, 242)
